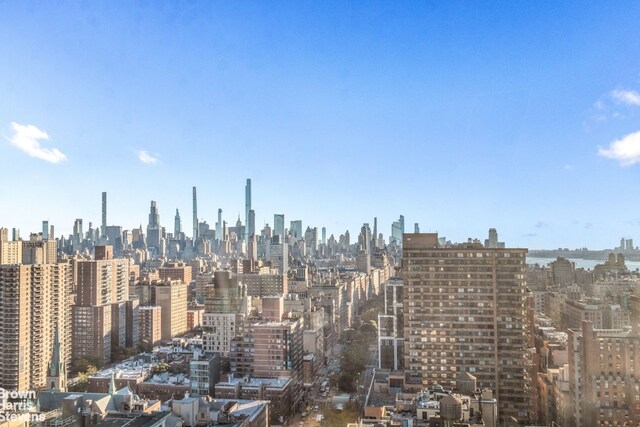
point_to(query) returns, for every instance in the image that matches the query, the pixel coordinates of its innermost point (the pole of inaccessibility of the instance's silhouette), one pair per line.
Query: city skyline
(66, 230)
(518, 118)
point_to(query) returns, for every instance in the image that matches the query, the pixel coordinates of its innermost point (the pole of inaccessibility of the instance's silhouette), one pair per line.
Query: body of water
(581, 263)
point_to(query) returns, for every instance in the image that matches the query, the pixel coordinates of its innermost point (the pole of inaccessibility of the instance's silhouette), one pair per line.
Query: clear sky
(462, 116)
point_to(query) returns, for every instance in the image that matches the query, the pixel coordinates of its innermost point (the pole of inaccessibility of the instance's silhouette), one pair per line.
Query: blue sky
(460, 115)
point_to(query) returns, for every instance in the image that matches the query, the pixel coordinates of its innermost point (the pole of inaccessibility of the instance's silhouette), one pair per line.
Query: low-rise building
(227, 412)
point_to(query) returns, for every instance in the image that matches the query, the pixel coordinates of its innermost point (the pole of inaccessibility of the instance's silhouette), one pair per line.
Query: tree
(341, 418)
(346, 382)
(369, 329)
(83, 377)
(81, 365)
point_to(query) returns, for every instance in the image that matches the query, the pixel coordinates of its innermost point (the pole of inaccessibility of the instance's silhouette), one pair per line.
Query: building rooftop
(166, 378)
(128, 369)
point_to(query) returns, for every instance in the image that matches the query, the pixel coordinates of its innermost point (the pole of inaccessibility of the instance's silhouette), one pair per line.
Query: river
(584, 263)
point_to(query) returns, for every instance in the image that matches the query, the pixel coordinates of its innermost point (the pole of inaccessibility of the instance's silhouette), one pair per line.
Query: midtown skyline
(168, 222)
(518, 117)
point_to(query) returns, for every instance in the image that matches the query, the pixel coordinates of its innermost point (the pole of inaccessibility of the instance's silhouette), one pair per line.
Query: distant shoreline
(599, 255)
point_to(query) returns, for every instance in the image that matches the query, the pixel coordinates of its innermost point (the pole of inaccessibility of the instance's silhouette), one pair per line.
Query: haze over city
(461, 117)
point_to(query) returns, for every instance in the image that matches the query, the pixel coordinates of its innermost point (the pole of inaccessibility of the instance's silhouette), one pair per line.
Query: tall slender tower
(247, 207)
(219, 235)
(195, 216)
(251, 225)
(177, 225)
(103, 229)
(375, 232)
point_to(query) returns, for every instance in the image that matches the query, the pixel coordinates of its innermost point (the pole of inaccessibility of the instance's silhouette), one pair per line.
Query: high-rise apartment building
(562, 272)
(465, 310)
(173, 298)
(35, 303)
(269, 349)
(39, 252)
(151, 324)
(177, 270)
(226, 305)
(102, 292)
(103, 280)
(604, 386)
(10, 250)
(263, 284)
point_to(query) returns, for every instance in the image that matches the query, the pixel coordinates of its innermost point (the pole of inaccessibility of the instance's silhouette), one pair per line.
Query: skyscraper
(493, 238)
(177, 225)
(154, 233)
(195, 216)
(396, 233)
(45, 230)
(375, 232)
(295, 229)
(172, 298)
(251, 225)
(465, 310)
(154, 217)
(219, 225)
(78, 235)
(226, 305)
(278, 225)
(604, 384)
(103, 228)
(247, 208)
(102, 288)
(35, 302)
(10, 250)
